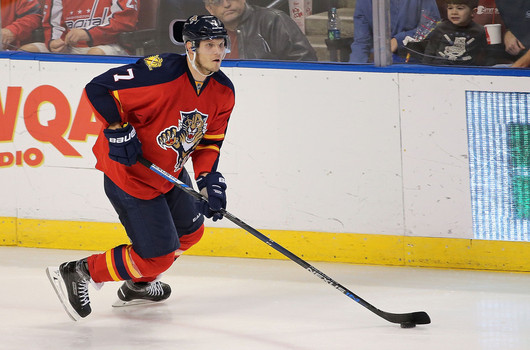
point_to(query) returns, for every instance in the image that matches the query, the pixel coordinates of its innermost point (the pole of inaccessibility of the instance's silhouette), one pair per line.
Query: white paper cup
(493, 33)
(300, 10)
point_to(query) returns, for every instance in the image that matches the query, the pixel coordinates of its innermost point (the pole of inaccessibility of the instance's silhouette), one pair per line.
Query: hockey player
(169, 108)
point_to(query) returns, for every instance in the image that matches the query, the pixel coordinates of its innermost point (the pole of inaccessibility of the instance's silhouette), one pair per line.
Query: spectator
(487, 12)
(516, 17)
(261, 33)
(405, 17)
(85, 27)
(457, 40)
(19, 19)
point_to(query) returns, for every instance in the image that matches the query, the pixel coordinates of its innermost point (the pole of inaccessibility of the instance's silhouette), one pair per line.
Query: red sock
(123, 263)
(188, 241)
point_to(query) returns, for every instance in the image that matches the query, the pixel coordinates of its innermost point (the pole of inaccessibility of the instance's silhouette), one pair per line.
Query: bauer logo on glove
(124, 146)
(125, 138)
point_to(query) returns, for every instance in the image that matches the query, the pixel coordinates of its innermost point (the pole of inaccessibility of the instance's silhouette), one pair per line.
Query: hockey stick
(407, 320)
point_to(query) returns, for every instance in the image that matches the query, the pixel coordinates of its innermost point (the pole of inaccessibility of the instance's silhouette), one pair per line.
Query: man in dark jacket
(261, 33)
(516, 17)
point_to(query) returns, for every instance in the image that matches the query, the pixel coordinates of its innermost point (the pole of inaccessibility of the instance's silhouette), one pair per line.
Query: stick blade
(419, 317)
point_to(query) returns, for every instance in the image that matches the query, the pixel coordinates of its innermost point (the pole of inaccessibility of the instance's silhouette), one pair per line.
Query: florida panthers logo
(184, 138)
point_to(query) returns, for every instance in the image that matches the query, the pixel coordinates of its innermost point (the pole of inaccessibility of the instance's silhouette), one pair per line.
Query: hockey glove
(124, 146)
(213, 187)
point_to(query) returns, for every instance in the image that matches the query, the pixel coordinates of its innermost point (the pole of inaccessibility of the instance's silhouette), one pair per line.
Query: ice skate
(131, 293)
(70, 281)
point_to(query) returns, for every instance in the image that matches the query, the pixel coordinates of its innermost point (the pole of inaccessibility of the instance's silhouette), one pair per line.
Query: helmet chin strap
(192, 61)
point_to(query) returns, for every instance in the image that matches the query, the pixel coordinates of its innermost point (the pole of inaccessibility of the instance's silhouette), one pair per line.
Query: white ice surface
(227, 303)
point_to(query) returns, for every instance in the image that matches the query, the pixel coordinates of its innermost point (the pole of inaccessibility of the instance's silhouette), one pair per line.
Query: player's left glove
(212, 186)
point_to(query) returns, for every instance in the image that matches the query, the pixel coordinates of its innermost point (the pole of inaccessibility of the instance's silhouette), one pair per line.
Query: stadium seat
(145, 40)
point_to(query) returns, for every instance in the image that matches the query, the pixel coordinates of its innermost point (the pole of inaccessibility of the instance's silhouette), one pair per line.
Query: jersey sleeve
(103, 91)
(430, 52)
(28, 18)
(123, 18)
(52, 22)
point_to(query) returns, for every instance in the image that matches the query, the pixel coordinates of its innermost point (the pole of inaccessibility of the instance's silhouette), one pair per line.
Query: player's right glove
(212, 186)
(124, 146)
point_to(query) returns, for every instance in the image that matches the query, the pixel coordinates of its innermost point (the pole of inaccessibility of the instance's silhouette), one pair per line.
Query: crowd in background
(439, 32)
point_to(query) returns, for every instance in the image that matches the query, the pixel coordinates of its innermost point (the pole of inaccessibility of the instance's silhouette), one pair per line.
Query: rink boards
(336, 163)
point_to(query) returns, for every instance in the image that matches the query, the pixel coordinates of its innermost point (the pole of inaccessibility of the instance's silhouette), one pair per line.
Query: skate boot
(70, 281)
(131, 293)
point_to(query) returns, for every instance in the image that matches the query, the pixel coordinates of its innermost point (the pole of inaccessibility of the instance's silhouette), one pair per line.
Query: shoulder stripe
(214, 137)
(212, 147)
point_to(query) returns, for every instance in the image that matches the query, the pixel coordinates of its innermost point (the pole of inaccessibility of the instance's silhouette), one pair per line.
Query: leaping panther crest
(184, 138)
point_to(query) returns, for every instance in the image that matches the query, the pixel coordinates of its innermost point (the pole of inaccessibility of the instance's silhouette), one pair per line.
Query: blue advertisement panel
(499, 150)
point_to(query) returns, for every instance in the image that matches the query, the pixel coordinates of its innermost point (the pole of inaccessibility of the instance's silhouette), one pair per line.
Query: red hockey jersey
(21, 17)
(158, 96)
(102, 19)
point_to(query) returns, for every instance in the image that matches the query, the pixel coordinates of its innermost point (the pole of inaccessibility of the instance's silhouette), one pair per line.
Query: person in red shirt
(85, 27)
(168, 108)
(19, 19)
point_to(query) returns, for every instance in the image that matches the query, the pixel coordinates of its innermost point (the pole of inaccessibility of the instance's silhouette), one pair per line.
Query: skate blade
(58, 285)
(134, 302)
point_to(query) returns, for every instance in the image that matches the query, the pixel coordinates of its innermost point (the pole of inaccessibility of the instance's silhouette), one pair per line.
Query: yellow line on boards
(352, 248)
